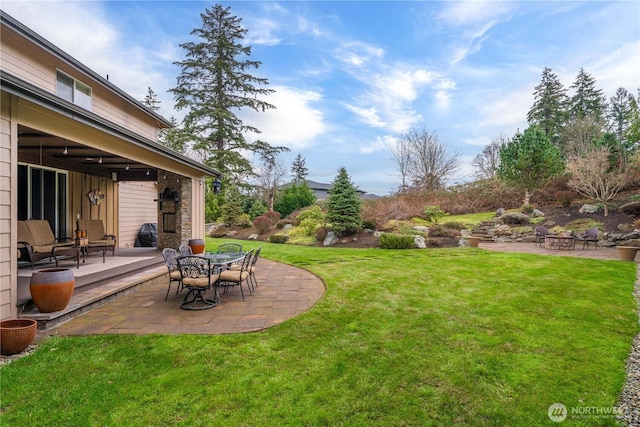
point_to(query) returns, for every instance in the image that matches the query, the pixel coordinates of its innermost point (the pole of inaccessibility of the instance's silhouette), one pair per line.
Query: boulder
(420, 242)
(514, 218)
(331, 239)
(254, 236)
(421, 228)
(500, 212)
(588, 209)
(502, 230)
(537, 213)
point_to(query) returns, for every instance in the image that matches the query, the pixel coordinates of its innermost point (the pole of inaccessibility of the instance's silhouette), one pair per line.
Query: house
(321, 190)
(68, 139)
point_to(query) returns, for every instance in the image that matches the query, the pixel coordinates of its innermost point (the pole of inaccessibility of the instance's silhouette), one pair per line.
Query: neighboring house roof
(321, 190)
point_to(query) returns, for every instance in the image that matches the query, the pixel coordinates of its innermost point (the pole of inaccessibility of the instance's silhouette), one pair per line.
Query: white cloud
(383, 143)
(295, 123)
(358, 54)
(472, 12)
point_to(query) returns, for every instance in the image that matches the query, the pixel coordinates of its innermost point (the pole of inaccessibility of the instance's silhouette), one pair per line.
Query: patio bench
(36, 242)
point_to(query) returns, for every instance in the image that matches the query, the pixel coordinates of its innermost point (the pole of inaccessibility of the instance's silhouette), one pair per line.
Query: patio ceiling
(40, 148)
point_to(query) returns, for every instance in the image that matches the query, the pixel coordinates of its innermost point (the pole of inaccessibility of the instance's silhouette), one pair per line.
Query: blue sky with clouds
(352, 76)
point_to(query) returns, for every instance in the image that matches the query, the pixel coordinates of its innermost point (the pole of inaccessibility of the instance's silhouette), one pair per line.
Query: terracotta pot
(474, 241)
(16, 335)
(52, 289)
(197, 245)
(627, 253)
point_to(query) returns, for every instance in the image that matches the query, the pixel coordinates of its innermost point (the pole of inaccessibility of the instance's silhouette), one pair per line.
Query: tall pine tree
(548, 110)
(587, 101)
(214, 84)
(298, 169)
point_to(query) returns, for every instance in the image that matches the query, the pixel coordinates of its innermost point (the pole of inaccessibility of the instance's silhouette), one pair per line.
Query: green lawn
(439, 337)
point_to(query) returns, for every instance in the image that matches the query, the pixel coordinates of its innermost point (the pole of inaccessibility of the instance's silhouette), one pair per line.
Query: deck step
(83, 301)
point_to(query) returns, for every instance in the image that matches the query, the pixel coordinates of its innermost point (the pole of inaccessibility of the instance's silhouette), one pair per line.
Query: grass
(418, 337)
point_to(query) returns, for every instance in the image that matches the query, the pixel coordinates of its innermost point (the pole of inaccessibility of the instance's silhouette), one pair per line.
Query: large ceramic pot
(52, 289)
(474, 241)
(627, 253)
(197, 245)
(16, 335)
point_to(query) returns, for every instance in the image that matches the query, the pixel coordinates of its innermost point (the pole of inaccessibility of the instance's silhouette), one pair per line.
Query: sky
(352, 77)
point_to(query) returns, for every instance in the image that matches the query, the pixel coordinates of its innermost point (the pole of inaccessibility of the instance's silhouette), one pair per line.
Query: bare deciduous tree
(593, 175)
(401, 157)
(270, 174)
(579, 135)
(424, 161)
(486, 163)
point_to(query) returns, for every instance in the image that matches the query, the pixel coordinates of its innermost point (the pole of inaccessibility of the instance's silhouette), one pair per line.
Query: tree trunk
(606, 208)
(527, 197)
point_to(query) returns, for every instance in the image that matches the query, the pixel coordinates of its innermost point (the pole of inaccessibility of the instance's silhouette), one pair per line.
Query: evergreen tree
(548, 110)
(344, 205)
(619, 113)
(231, 207)
(151, 100)
(529, 161)
(174, 138)
(298, 169)
(215, 83)
(295, 196)
(632, 135)
(587, 101)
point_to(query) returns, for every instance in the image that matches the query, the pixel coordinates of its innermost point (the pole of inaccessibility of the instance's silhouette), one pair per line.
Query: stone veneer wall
(181, 186)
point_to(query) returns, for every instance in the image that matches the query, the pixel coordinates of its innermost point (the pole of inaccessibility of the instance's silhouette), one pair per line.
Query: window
(73, 90)
(43, 194)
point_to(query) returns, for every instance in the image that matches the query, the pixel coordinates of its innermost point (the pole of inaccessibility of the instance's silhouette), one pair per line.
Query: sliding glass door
(43, 194)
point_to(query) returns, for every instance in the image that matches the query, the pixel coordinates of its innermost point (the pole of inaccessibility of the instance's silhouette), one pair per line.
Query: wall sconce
(100, 160)
(126, 168)
(65, 151)
(216, 186)
(147, 172)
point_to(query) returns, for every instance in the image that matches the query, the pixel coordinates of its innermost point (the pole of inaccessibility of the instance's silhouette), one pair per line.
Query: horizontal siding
(137, 207)
(8, 261)
(19, 57)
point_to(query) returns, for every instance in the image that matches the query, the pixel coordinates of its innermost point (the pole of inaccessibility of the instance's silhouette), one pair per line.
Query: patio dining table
(224, 258)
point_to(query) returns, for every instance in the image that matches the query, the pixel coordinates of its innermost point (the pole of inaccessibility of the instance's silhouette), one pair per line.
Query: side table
(82, 246)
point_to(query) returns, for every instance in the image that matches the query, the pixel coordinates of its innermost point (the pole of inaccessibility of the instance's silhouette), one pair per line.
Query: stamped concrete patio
(283, 292)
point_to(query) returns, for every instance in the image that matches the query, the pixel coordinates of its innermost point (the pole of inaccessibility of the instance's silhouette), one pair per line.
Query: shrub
(397, 241)
(309, 219)
(273, 216)
(321, 232)
(257, 208)
(441, 231)
(243, 221)
(454, 225)
(262, 223)
(526, 208)
(369, 224)
(433, 213)
(278, 238)
(564, 197)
